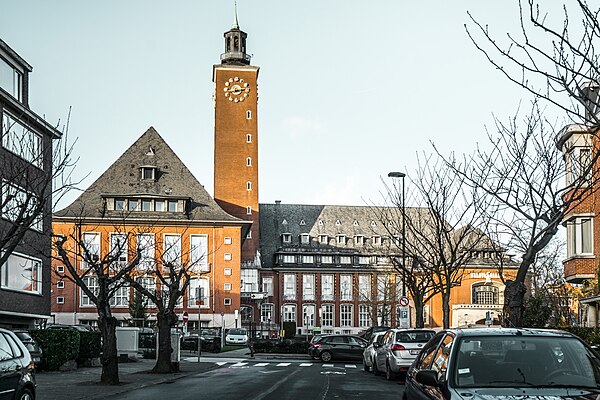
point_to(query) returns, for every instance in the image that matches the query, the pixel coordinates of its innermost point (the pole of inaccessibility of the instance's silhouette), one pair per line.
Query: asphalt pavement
(84, 383)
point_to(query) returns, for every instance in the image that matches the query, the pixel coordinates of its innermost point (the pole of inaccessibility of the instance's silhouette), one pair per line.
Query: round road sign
(185, 317)
(404, 301)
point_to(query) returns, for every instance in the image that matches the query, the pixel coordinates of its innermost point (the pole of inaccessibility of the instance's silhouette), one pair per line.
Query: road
(275, 380)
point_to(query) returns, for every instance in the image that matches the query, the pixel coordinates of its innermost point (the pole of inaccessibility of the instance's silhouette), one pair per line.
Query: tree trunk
(419, 317)
(109, 360)
(446, 308)
(163, 362)
(514, 294)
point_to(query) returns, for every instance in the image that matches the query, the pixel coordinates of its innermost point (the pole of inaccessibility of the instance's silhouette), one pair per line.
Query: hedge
(285, 346)
(58, 345)
(90, 346)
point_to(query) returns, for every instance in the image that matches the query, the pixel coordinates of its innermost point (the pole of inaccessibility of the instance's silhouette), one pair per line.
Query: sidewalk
(83, 383)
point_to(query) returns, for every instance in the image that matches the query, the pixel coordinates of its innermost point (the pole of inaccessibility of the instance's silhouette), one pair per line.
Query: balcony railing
(236, 55)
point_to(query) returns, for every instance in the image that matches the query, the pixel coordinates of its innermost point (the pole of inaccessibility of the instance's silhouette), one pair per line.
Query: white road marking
(283, 365)
(327, 365)
(240, 364)
(305, 365)
(261, 364)
(220, 364)
(350, 366)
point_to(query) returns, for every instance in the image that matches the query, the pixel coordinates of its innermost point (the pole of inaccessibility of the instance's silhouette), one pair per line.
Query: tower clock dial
(236, 89)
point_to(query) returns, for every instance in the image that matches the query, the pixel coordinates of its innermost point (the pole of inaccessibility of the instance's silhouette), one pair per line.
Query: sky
(348, 90)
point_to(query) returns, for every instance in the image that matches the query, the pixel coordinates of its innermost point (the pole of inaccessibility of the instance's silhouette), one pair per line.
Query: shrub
(286, 346)
(587, 334)
(59, 346)
(289, 327)
(90, 346)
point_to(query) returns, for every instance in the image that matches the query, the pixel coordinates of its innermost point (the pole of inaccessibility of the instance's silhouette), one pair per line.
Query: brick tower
(236, 137)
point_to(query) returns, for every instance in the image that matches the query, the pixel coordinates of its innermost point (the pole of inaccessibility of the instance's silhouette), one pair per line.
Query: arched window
(485, 293)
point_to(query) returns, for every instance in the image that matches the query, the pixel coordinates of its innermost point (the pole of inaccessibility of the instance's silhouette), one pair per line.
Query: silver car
(369, 353)
(399, 348)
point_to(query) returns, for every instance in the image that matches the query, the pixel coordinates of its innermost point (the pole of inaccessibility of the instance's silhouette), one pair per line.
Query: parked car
(369, 353)
(31, 345)
(370, 331)
(338, 347)
(17, 377)
(398, 349)
(315, 339)
(80, 328)
(237, 336)
(504, 362)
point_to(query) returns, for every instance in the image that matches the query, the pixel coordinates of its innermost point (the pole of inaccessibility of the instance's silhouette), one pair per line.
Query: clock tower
(236, 137)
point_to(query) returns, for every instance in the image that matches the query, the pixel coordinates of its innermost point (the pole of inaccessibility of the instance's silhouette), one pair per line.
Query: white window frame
(248, 161)
(289, 259)
(286, 238)
(304, 238)
(22, 273)
(60, 269)
(227, 301)
(227, 240)
(289, 313)
(118, 250)
(195, 283)
(267, 312)
(326, 259)
(289, 286)
(324, 239)
(91, 244)
(14, 199)
(199, 253)
(171, 249)
(248, 138)
(22, 140)
(250, 280)
(227, 286)
(347, 260)
(327, 287)
(580, 236)
(364, 287)
(346, 315)
(120, 298)
(308, 286)
(248, 185)
(327, 315)
(308, 315)
(267, 285)
(146, 248)
(364, 315)
(227, 271)
(60, 284)
(60, 300)
(92, 284)
(345, 287)
(308, 259)
(576, 161)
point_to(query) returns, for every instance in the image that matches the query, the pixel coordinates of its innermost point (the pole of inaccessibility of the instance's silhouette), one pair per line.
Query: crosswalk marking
(240, 364)
(220, 364)
(350, 366)
(327, 365)
(261, 364)
(283, 364)
(305, 364)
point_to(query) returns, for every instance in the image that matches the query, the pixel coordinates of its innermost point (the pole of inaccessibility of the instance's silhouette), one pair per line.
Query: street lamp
(402, 175)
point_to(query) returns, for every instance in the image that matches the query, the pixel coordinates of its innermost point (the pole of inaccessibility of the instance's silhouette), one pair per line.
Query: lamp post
(402, 175)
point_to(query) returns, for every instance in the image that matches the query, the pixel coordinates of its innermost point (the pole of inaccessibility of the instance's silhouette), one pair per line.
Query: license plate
(414, 352)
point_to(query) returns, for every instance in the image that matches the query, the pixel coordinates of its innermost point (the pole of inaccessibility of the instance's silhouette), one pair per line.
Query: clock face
(236, 89)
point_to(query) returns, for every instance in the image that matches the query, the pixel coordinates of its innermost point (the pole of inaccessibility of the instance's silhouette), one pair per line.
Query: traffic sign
(404, 301)
(185, 317)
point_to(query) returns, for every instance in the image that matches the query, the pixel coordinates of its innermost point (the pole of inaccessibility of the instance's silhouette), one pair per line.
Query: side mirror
(427, 377)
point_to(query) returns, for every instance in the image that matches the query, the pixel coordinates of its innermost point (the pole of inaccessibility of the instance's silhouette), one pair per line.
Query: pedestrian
(251, 342)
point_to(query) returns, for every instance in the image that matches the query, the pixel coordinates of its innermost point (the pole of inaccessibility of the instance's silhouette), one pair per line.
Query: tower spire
(235, 25)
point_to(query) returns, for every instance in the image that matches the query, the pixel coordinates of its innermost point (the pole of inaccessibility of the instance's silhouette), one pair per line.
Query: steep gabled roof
(173, 180)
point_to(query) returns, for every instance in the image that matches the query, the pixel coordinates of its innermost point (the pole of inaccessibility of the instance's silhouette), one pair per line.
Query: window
(146, 250)
(227, 286)
(92, 285)
(305, 238)
(289, 259)
(148, 173)
(159, 205)
(364, 316)
(199, 253)
(440, 359)
(308, 286)
(308, 315)
(199, 291)
(308, 259)
(266, 312)
(249, 280)
(172, 251)
(248, 138)
(383, 288)
(14, 200)
(323, 239)
(60, 284)
(346, 315)
(146, 205)
(60, 269)
(248, 185)
(327, 259)
(268, 286)
(227, 257)
(248, 162)
(578, 162)
(327, 315)
(248, 210)
(60, 300)
(289, 286)
(11, 79)
(132, 205)
(227, 271)
(91, 248)
(227, 240)
(118, 250)
(22, 273)
(172, 205)
(286, 237)
(248, 114)
(364, 260)
(119, 204)
(345, 260)
(341, 239)
(364, 287)
(120, 297)
(345, 287)
(399, 287)
(483, 293)
(376, 240)
(359, 240)
(327, 287)
(249, 235)
(289, 312)
(579, 236)
(227, 301)
(148, 283)
(21, 140)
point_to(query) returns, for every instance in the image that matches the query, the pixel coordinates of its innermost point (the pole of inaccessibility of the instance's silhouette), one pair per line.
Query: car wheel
(26, 394)
(365, 366)
(326, 356)
(389, 375)
(375, 369)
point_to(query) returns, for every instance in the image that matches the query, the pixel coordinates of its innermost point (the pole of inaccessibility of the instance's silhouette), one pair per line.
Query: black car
(338, 347)
(32, 346)
(489, 363)
(17, 375)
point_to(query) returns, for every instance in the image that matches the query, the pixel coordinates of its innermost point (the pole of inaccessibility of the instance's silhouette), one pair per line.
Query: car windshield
(414, 336)
(237, 332)
(522, 361)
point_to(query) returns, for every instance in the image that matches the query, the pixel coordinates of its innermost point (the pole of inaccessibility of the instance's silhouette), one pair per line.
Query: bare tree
(100, 278)
(521, 176)
(32, 184)
(440, 237)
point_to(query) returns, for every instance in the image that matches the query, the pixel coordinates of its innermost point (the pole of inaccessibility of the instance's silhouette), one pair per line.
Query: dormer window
(132, 204)
(148, 173)
(11, 80)
(286, 238)
(172, 205)
(119, 204)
